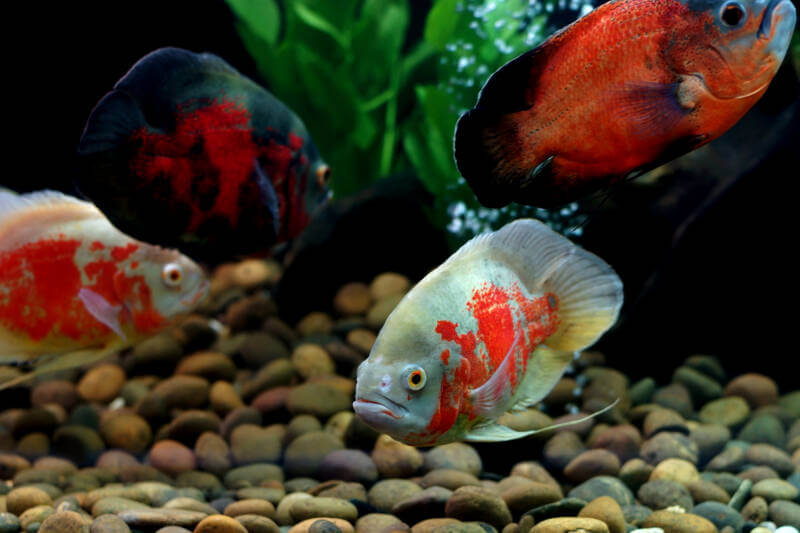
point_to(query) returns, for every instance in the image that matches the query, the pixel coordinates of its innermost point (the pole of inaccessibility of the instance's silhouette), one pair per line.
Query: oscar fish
(75, 288)
(629, 86)
(490, 330)
(188, 153)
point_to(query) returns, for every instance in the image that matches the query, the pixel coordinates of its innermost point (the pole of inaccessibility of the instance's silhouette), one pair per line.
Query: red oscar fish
(74, 287)
(626, 88)
(490, 330)
(188, 153)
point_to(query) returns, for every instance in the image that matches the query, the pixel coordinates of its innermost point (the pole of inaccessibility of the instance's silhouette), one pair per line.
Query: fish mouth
(198, 295)
(378, 408)
(777, 25)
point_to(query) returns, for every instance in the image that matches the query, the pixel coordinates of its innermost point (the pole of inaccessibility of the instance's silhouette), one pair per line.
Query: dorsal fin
(589, 292)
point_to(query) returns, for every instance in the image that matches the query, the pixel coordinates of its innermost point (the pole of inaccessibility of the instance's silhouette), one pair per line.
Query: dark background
(707, 252)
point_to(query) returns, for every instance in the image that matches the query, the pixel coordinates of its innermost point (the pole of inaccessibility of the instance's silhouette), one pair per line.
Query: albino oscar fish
(490, 330)
(75, 288)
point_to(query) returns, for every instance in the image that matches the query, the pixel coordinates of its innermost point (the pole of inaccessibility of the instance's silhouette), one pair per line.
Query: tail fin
(491, 149)
(589, 291)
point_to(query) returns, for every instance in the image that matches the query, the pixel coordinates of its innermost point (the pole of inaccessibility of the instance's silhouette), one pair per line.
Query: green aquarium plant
(380, 99)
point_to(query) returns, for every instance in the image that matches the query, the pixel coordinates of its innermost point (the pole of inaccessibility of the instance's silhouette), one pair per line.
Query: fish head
(736, 46)
(164, 285)
(399, 386)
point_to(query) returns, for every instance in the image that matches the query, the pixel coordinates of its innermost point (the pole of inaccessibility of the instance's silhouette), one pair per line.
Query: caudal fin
(491, 141)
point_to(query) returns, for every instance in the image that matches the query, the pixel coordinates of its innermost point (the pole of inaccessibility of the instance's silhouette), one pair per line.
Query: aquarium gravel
(237, 421)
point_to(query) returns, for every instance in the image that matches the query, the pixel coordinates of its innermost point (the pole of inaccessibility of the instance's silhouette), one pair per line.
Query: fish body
(226, 166)
(625, 88)
(490, 330)
(71, 281)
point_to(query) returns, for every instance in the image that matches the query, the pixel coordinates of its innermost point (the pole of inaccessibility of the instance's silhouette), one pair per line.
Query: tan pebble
(35, 515)
(310, 360)
(101, 383)
(323, 507)
(352, 299)
(250, 506)
(395, 459)
(224, 398)
(109, 523)
(388, 284)
(219, 524)
(678, 470)
(64, 522)
(570, 524)
(525, 496)
(20, 499)
(315, 322)
(678, 522)
(251, 273)
(372, 522)
(605, 509)
(431, 524)
(361, 339)
(302, 527)
(282, 516)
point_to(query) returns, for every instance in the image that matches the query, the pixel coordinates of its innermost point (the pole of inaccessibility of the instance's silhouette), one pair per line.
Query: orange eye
(172, 275)
(416, 378)
(323, 175)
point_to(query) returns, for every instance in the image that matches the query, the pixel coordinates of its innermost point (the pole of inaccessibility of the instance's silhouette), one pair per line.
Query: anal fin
(66, 361)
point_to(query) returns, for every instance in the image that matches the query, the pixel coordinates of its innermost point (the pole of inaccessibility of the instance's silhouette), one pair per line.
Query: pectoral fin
(495, 432)
(491, 399)
(102, 310)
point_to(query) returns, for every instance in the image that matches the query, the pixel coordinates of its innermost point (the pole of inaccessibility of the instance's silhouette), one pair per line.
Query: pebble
(219, 524)
(568, 524)
(185, 392)
(250, 443)
(349, 465)
(323, 507)
(352, 299)
(771, 456)
(478, 503)
(388, 284)
(258, 524)
(775, 489)
(172, 457)
(304, 455)
(126, 431)
(318, 399)
(731, 411)
(387, 493)
(310, 360)
(305, 526)
(663, 493)
(109, 523)
(678, 470)
(101, 383)
(251, 507)
(18, 500)
(679, 522)
(757, 389)
(785, 513)
(719, 514)
(591, 463)
(395, 459)
(428, 503)
(607, 510)
(210, 365)
(454, 456)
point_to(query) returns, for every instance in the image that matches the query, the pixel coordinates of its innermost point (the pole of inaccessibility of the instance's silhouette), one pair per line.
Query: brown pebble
(315, 322)
(219, 524)
(757, 389)
(126, 431)
(591, 463)
(310, 360)
(395, 459)
(101, 383)
(224, 398)
(172, 457)
(250, 506)
(258, 524)
(388, 284)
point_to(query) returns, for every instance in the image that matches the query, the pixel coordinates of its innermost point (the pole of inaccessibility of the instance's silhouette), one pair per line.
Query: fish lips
(777, 25)
(379, 412)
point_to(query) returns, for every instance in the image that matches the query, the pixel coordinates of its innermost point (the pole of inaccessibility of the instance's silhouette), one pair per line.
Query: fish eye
(416, 378)
(323, 175)
(732, 14)
(172, 275)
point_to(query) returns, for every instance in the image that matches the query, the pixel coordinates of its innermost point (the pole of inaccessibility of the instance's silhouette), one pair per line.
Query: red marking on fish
(224, 132)
(445, 357)
(496, 329)
(121, 253)
(96, 246)
(42, 281)
(135, 291)
(295, 142)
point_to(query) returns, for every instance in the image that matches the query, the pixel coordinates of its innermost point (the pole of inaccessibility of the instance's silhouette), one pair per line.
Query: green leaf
(378, 39)
(441, 24)
(263, 17)
(319, 23)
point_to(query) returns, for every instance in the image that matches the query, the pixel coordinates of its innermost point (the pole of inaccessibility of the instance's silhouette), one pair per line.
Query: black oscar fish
(188, 153)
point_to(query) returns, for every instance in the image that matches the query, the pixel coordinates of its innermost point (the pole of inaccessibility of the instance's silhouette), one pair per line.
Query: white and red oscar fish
(490, 330)
(72, 284)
